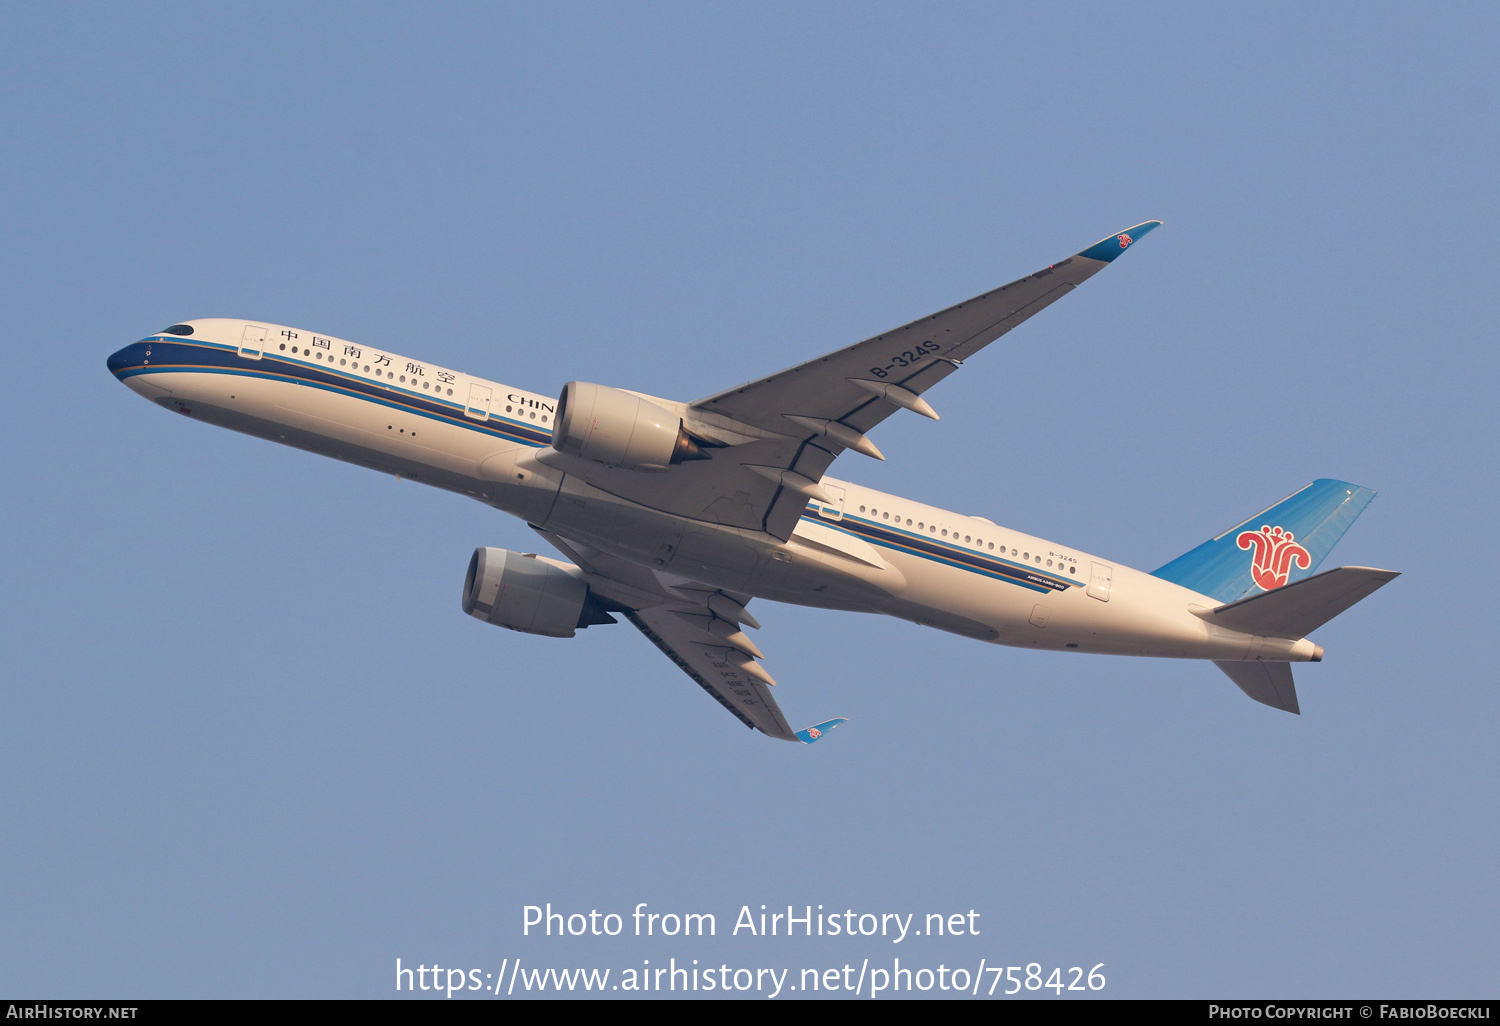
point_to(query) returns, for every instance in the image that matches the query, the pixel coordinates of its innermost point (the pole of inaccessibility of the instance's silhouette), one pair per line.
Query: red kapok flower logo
(1275, 553)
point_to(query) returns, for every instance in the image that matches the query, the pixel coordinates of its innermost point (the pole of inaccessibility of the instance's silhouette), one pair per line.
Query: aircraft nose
(132, 355)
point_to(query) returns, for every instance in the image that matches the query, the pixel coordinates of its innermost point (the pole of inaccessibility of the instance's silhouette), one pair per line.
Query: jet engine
(529, 593)
(614, 427)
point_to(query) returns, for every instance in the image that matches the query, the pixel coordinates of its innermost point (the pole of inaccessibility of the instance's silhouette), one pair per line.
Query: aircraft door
(253, 342)
(1100, 578)
(832, 510)
(478, 406)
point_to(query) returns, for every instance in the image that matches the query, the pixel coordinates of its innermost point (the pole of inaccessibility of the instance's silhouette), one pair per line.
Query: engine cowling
(614, 427)
(529, 593)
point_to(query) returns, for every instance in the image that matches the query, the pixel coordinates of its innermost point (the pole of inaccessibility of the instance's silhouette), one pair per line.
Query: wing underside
(696, 626)
(708, 662)
(773, 439)
(836, 399)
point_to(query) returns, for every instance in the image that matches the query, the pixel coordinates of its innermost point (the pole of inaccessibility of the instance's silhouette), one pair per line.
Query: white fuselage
(867, 551)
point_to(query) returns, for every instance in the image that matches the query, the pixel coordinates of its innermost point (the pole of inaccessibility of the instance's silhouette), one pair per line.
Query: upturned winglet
(820, 730)
(1108, 249)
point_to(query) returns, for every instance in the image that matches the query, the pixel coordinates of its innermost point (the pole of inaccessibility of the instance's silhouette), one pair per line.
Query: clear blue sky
(251, 745)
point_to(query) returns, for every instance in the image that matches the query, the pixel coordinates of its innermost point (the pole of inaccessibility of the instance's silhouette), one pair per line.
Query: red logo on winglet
(1275, 553)
(1125, 240)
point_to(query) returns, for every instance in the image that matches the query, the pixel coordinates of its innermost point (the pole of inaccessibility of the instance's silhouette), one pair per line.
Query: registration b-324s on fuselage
(676, 515)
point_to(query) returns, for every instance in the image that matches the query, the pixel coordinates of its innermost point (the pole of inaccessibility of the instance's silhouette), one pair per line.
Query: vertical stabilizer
(1283, 544)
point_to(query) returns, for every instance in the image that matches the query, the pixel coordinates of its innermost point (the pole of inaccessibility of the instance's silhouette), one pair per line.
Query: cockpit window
(178, 329)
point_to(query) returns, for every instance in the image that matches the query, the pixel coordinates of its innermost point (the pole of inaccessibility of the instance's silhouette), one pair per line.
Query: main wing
(770, 441)
(698, 628)
(829, 404)
(846, 384)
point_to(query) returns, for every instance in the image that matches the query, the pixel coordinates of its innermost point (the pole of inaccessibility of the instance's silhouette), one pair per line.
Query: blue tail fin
(1283, 544)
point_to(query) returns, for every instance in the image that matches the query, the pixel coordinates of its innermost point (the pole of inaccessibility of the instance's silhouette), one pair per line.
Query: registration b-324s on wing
(676, 515)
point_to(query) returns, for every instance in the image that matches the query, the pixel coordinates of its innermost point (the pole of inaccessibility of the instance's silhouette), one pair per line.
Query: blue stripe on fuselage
(947, 554)
(170, 354)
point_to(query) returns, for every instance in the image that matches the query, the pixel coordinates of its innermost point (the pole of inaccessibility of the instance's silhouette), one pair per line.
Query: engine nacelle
(618, 429)
(529, 593)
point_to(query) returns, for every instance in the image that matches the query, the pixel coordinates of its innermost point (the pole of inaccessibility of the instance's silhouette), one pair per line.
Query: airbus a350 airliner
(675, 515)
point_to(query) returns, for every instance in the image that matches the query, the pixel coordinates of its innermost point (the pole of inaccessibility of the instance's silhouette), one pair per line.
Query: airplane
(676, 515)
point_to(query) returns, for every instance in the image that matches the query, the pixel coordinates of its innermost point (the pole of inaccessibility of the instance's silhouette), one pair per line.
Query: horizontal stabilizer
(816, 732)
(1299, 608)
(1268, 683)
